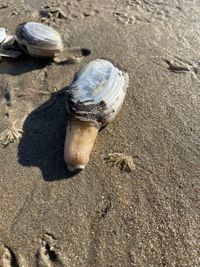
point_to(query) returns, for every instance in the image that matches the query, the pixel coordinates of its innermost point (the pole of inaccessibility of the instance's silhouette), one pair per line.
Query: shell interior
(97, 92)
(36, 36)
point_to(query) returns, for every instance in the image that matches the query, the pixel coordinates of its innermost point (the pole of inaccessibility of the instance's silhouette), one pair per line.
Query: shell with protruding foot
(94, 98)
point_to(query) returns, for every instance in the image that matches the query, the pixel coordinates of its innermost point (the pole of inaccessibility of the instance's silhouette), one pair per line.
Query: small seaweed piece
(125, 162)
(10, 135)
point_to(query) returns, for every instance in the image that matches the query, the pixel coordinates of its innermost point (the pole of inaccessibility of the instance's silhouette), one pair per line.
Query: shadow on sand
(26, 63)
(43, 138)
(23, 64)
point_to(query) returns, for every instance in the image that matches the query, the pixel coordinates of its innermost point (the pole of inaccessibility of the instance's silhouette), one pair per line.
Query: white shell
(97, 92)
(2, 34)
(39, 40)
(9, 53)
(7, 48)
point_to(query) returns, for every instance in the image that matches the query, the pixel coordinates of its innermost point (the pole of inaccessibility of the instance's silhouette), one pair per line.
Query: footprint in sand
(48, 254)
(9, 259)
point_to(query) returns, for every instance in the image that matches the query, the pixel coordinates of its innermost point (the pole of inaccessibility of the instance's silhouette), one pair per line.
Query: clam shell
(39, 40)
(9, 41)
(7, 47)
(97, 92)
(2, 34)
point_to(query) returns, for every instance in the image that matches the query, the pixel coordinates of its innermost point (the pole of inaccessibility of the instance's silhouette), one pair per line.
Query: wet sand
(103, 216)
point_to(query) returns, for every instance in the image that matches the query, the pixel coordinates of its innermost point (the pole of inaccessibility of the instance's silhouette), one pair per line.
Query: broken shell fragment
(94, 98)
(38, 40)
(7, 45)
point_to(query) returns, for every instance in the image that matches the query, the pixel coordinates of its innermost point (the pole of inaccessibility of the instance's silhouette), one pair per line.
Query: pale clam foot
(79, 143)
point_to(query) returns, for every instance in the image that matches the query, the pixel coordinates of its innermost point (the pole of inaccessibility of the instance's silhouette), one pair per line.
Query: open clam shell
(93, 99)
(38, 40)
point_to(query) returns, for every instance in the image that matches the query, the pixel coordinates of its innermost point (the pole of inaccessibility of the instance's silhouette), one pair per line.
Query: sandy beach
(103, 216)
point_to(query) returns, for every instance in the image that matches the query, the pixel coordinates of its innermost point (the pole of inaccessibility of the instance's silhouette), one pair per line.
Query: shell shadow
(42, 143)
(22, 64)
(26, 63)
